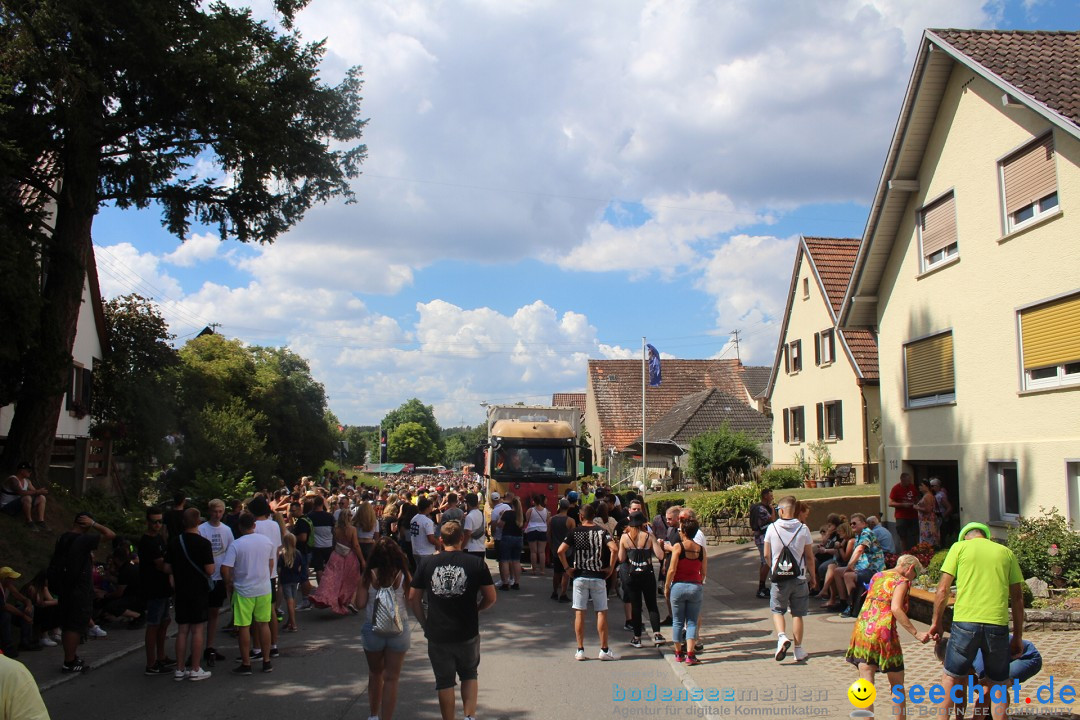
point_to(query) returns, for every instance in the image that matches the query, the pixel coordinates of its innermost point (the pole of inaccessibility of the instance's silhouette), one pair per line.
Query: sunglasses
(155, 522)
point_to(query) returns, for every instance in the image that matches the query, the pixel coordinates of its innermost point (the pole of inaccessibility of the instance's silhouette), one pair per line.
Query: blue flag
(654, 366)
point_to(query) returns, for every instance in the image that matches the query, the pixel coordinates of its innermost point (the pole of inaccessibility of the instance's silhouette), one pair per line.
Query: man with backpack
(70, 576)
(761, 516)
(789, 553)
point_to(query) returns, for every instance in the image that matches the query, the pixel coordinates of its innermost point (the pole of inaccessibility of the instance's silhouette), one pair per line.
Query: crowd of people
(421, 545)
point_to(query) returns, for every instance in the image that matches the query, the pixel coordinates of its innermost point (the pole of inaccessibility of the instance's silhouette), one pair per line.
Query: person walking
(387, 569)
(337, 590)
(510, 548)
(988, 582)
(156, 590)
(451, 582)
(589, 573)
(875, 640)
(190, 560)
(270, 528)
(474, 527)
(246, 569)
(788, 535)
(637, 548)
(761, 516)
(683, 589)
(536, 520)
(292, 573)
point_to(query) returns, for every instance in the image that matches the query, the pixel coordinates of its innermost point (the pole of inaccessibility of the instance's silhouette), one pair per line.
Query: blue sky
(548, 182)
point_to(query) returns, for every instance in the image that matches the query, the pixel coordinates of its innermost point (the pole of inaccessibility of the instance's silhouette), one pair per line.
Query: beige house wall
(814, 384)
(977, 297)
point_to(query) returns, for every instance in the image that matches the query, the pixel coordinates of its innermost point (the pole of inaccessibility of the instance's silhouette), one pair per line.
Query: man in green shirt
(988, 580)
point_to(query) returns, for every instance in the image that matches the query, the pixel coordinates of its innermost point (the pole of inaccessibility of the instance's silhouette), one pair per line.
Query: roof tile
(575, 400)
(705, 411)
(834, 259)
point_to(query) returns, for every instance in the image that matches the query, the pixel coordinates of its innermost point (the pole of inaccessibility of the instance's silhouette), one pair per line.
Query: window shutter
(787, 425)
(817, 348)
(838, 413)
(820, 421)
(1050, 334)
(832, 346)
(69, 404)
(787, 361)
(1029, 174)
(930, 366)
(87, 388)
(938, 225)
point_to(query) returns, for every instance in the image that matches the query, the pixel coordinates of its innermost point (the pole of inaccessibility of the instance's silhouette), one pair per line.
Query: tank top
(639, 559)
(363, 535)
(538, 520)
(510, 523)
(558, 530)
(689, 570)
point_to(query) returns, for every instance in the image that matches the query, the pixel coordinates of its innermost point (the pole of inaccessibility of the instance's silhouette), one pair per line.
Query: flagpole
(644, 375)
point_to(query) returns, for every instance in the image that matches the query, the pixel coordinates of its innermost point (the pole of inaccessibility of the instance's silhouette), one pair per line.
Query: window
(1050, 343)
(794, 425)
(830, 420)
(80, 391)
(806, 288)
(824, 347)
(937, 231)
(1004, 491)
(1029, 182)
(928, 371)
(793, 358)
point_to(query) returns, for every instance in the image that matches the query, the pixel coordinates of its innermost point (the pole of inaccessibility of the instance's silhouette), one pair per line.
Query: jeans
(685, 607)
(967, 639)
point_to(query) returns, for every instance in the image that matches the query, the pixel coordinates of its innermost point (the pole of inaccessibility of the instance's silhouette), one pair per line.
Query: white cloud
(197, 248)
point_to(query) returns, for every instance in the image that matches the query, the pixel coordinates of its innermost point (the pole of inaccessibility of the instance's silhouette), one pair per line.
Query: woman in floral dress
(929, 530)
(875, 640)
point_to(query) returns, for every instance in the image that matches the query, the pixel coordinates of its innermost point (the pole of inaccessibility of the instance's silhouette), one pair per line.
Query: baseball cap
(495, 496)
(573, 495)
(6, 572)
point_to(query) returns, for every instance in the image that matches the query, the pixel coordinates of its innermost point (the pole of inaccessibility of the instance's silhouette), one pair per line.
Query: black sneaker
(628, 626)
(75, 666)
(666, 622)
(167, 662)
(554, 596)
(763, 593)
(274, 652)
(515, 586)
(242, 670)
(256, 654)
(636, 642)
(268, 667)
(157, 669)
(563, 599)
(209, 657)
(217, 655)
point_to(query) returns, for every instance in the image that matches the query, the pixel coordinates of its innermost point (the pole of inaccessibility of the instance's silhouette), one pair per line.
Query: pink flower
(1053, 549)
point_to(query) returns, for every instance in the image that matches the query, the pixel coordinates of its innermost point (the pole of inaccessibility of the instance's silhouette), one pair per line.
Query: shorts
(482, 554)
(510, 548)
(793, 594)
(192, 609)
(76, 607)
(967, 638)
(13, 508)
(157, 611)
(217, 595)
(536, 536)
(291, 591)
(319, 557)
(760, 542)
(586, 588)
(863, 577)
(454, 659)
(246, 610)
(379, 643)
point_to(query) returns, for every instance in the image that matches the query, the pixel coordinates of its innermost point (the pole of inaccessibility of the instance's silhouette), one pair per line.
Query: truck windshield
(551, 461)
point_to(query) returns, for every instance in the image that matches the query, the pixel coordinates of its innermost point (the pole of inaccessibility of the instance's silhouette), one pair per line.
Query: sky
(549, 182)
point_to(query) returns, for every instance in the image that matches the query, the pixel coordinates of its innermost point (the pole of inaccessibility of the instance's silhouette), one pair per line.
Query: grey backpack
(387, 615)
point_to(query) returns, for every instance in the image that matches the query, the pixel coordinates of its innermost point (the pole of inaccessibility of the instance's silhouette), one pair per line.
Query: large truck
(533, 450)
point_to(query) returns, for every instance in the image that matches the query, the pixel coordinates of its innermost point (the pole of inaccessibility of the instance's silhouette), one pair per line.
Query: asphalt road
(527, 670)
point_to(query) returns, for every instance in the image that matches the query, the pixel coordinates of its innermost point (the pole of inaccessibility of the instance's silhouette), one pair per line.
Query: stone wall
(733, 530)
(1051, 620)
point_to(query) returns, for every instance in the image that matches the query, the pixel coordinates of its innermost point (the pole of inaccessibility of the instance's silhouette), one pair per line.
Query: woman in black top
(511, 522)
(637, 547)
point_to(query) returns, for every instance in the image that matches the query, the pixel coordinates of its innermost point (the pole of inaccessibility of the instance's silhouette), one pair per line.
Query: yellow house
(969, 273)
(823, 386)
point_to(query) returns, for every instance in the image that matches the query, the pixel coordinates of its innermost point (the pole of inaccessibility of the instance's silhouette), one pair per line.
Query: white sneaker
(799, 653)
(47, 641)
(782, 645)
(96, 631)
(580, 655)
(55, 637)
(179, 675)
(607, 655)
(196, 675)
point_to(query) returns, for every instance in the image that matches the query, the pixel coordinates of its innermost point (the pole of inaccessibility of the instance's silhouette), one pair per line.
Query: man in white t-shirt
(246, 568)
(269, 529)
(474, 526)
(422, 530)
(793, 592)
(220, 537)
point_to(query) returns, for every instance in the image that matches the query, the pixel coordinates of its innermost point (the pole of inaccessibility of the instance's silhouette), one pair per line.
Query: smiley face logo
(861, 693)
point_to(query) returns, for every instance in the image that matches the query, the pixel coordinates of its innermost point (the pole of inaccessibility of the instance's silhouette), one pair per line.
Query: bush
(933, 568)
(733, 502)
(781, 479)
(108, 511)
(216, 485)
(1047, 548)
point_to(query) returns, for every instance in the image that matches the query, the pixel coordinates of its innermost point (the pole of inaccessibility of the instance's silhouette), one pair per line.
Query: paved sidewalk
(740, 644)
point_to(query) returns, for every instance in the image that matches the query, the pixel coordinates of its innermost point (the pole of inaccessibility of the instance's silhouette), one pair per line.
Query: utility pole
(737, 355)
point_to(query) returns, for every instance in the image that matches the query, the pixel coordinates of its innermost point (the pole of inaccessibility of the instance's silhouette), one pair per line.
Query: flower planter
(811, 483)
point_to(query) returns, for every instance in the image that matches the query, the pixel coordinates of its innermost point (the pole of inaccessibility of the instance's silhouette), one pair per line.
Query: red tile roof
(864, 349)
(576, 400)
(834, 258)
(616, 388)
(1043, 65)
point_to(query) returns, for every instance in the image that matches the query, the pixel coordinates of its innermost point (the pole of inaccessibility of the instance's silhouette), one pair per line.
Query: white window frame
(946, 253)
(1037, 207)
(996, 472)
(943, 255)
(1064, 375)
(795, 357)
(806, 288)
(828, 342)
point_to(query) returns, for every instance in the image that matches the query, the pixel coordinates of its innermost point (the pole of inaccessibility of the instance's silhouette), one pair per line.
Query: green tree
(410, 443)
(724, 457)
(227, 442)
(120, 102)
(134, 387)
(357, 437)
(459, 443)
(414, 411)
